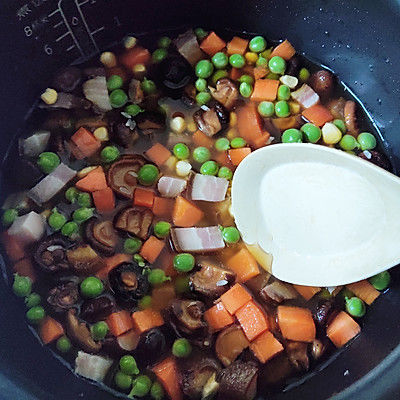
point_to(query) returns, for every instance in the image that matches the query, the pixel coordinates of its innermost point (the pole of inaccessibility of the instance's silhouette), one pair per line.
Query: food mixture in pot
(120, 238)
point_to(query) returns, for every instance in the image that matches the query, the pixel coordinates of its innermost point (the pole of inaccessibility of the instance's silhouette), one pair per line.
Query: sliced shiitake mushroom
(188, 316)
(213, 120)
(278, 291)
(135, 91)
(122, 175)
(93, 310)
(63, 296)
(50, 255)
(297, 354)
(225, 92)
(135, 220)
(101, 236)
(84, 260)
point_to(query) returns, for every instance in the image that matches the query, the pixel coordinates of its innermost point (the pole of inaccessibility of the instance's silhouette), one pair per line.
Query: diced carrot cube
(13, 247)
(244, 265)
(163, 207)
(50, 330)
(284, 50)
(24, 267)
(265, 89)
(237, 296)
(249, 123)
(218, 317)
(151, 249)
(146, 319)
(266, 346)
(85, 142)
(307, 291)
(104, 200)
(212, 44)
(252, 320)
(185, 213)
(296, 323)
(317, 114)
(134, 56)
(158, 154)
(237, 155)
(95, 180)
(201, 139)
(342, 329)
(143, 197)
(364, 290)
(235, 74)
(237, 45)
(119, 322)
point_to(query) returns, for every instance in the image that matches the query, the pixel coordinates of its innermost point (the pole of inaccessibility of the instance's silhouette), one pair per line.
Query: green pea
(99, 330)
(22, 285)
(217, 75)
(84, 200)
(340, 124)
(162, 229)
(109, 154)
(157, 277)
(48, 161)
(184, 262)
(245, 89)
(139, 259)
(311, 132)
(257, 44)
(148, 86)
(204, 69)
(71, 194)
(35, 314)
(70, 228)
(132, 245)
(380, 281)
(181, 348)
(266, 53)
(140, 386)
(133, 110)
(145, 302)
(9, 216)
(209, 168)
(200, 33)
(266, 109)
(273, 76)
(230, 234)
(225, 172)
(203, 98)
(122, 381)
(91, 287)
(82, 214)
(292, 135)
(220, 60)
(238, 142)
(222, 144)
(148, 174)
(114, 82)
(182, 284)
(282, 109)
(63, 344)
(237, 61)
(355, 307)
(118, 98)
(128, 365)
(181, 151)
(366, 140)
(348, 143)
(157, 391)
(247, 79)
(201, 154)
(261, 62)
(32, 300)
(159, 55)
(304, 74)
(277, 65)
(164, 42)
(56, 220)
(200, 84)
(283, 92)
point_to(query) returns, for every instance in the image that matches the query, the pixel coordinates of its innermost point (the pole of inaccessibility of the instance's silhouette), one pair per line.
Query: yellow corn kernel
(49, 96)
(177, 124)
(139, 71)
(266, 53)
(83, 172)
(232, 133)
(101, 134)
(183, 168)
(251, 58)
(232, 119)
(191, 126)
(130, 42)
(294, 107)
(331, 134)
(46, 213)
(108, 59)
(171, 162)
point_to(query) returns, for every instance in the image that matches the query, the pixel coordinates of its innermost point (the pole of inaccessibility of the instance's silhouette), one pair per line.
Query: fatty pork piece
(188, 47)
(92, 366)
(209, 188)
(197, 240)
(169, 186)
(305, 96)
(28, 228)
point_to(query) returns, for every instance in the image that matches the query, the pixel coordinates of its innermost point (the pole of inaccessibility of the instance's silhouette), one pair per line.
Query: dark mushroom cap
(84, 260)
(322, 82)
(63, 296)
(97, 309)
(297, 353)
(50, 256)
(151, 347)
(101, 236)
(135, 91)
(150, 122)
(135, 220)
(123, 135)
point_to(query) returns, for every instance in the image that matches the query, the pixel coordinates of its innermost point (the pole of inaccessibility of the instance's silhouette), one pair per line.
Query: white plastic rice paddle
(327, 217)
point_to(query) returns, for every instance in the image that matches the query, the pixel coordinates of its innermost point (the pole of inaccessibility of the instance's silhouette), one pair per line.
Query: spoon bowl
(317, 216)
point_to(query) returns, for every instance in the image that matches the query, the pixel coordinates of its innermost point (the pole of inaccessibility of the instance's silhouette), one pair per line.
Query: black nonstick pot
(359, 40)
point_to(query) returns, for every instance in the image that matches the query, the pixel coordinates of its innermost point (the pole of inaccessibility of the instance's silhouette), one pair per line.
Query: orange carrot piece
(286, 123)
(119, 322)
(111, 263)
(212, 44)
(284, 50)
(222, 159)
(249, 123)
(260, 72)
(249, 70)
(296, 323)
(201, 139)
(244, 265)
(266, 346)
(342, 329)
(167, 373)
(364, 290)
(162, 207)
(104, 200)
(50, 330)
(186, 214)
(136, 55)
(146, 319)
(143, 197)
(95, 180)
(237, 296)
(151, 249)
(13, 247)
(218, 317)
(158, 154)
(85, 142)
(237, 155)
(235, 74)
(162, 296)
(262, 140)
(166, 263)
(317, 114)
(24, 267)
(307, 292)
(265, 89)
(237, 45)
(252, 320)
